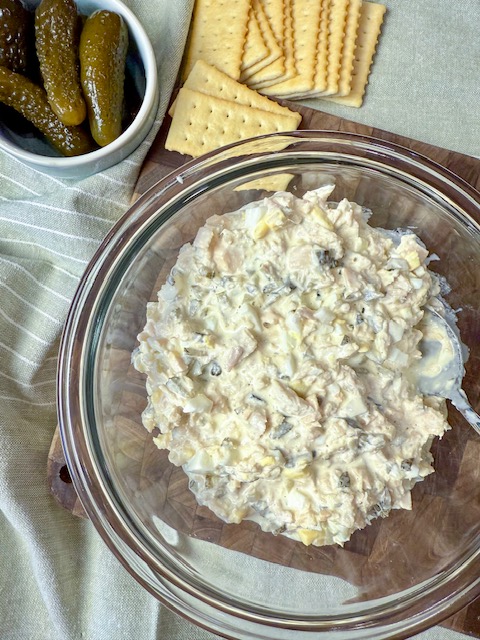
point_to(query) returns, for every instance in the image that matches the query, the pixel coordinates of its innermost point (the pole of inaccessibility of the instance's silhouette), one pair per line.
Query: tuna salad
(278, 360)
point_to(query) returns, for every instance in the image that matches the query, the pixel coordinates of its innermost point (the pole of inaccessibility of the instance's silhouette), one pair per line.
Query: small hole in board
(64, 475)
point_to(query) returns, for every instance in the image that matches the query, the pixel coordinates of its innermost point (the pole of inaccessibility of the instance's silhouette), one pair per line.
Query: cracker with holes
(337, 22)
(348, 47)
(369, 28)
(202, 123)
(279, 16)
(274, 183)
(353, 31)
(288, 43)
(336, 49)
(306, 24)
(321, 62)
(321, 66)
(207, 79)
(255, 50)
(275, 13)
(274, 65)
(217, 35)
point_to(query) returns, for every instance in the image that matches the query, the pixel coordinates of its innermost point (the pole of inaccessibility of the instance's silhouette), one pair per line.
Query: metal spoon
(441, 369)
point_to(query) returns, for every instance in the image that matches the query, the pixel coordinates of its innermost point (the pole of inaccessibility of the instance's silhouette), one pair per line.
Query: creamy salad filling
(278, 359)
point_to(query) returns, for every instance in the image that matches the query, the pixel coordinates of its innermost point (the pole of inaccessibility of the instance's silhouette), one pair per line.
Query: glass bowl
(394, 578)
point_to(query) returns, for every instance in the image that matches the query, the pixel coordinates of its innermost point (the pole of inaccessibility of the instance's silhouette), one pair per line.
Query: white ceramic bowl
(142, 68)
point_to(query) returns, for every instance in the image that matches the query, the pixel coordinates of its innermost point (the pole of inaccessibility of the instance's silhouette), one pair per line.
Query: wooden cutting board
(159, 163)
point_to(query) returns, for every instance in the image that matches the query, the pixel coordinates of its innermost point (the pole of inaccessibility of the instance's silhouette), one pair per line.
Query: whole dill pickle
(103, 52)
(14, 35)
(31, 101)
(56, 33)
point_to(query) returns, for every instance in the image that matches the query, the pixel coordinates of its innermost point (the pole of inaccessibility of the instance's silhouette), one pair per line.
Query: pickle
(14, 35)
(56, 32)
(31, 101)
(103, 52)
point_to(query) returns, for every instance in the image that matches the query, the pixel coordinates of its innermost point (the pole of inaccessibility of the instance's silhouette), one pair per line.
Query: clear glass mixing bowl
(394, 578)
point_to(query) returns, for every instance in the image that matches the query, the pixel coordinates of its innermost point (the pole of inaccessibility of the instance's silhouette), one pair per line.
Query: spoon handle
(460, 401)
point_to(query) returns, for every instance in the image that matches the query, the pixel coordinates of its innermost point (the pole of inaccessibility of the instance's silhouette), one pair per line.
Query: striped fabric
(57, 579)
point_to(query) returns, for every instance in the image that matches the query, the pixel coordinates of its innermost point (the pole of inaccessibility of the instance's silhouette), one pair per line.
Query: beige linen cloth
(57, 578)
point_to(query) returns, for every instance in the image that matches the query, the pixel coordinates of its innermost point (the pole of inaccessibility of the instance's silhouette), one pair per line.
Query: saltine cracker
(306, 24)
(274, 65)
(336, 32)
(371, 19)
(202, 123)
(255, 49)
(349, 47)
(217, 35)
(278, 182)
(320, 79)
(258, 82)
(206, 79)
(275, 12)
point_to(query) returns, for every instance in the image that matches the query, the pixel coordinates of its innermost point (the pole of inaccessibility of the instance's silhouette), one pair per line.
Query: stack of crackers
(291, 49)
(212, 110)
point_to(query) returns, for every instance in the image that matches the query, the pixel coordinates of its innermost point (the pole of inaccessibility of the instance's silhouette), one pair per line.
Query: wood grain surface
(361, 560)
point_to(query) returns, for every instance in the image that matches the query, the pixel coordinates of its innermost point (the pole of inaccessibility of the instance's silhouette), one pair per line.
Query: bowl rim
(149, 101)
(177, 178)
(177, 181)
